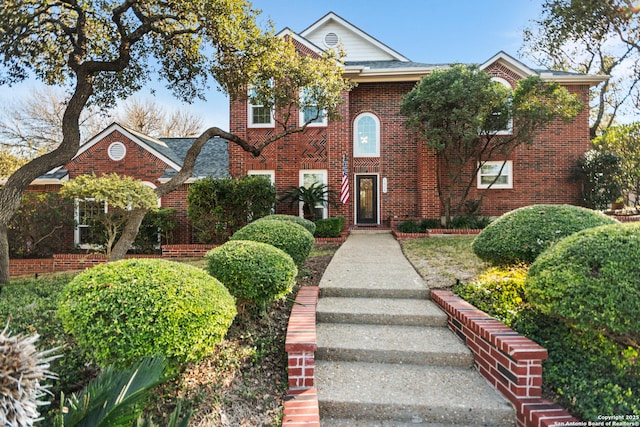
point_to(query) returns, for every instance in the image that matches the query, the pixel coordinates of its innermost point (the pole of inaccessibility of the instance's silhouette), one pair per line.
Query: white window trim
(325, 180)
(76, 230)
(321, 123)
(506, 171)
(250, 107)
(270, 173)
(355, 136)
(509, 129)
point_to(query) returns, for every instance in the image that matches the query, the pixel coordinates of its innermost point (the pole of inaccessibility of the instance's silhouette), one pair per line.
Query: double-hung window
(260, 116)
(496, 174)
(86, 213)
(310, 113)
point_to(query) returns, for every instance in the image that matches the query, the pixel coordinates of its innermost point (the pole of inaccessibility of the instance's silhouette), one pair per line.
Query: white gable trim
(333, 17)
(133, 136)
(522, 70)
(288, 32)
(509, 62)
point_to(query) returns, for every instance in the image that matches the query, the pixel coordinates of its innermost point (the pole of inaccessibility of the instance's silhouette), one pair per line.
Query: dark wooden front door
(367, 199)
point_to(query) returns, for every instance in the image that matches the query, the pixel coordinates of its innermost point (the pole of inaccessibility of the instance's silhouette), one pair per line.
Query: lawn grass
(443, 260)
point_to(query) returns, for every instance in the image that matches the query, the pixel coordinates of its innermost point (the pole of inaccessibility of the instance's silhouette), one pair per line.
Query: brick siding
(509, 361)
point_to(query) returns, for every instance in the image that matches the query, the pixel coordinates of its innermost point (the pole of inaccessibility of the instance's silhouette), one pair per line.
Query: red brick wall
(542, 173)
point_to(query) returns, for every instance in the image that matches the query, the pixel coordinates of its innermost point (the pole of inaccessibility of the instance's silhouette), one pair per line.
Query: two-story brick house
(391, 173)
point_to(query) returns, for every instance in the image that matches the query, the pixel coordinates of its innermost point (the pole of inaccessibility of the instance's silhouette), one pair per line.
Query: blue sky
(429, 31)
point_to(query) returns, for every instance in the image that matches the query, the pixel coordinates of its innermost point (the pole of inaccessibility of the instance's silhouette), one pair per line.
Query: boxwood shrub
(125, 310)
(499, 292)
(308, 224)
(286, 235)
(586, 372)
(592, 279)
(329, 227)
(255, 273)
(522, 234)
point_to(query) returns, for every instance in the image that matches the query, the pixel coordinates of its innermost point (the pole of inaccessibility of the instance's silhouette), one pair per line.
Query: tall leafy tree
(101, 51)
(624, 142)
(594, 37)
(461, 113)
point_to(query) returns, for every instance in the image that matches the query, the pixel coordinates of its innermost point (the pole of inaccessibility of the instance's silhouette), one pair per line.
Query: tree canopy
(624, 142)
(102, 51)
(592, 37)
(469, 119)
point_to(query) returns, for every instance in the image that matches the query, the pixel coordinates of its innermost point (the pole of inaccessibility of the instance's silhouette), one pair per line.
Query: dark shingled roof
(377, 65)
(212, 161)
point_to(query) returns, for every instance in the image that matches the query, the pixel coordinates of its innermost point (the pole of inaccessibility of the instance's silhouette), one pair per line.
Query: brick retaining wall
(509, 361)
(301, 403)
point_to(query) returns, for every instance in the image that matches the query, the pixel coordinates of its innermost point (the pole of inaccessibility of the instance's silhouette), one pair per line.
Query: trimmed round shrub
(591, 279)
(286, 235)
(309, 225)
(522, 234)
(254, 272)
(122, 311)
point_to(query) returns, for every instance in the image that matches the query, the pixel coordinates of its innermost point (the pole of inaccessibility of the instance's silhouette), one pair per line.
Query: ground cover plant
(242, 384)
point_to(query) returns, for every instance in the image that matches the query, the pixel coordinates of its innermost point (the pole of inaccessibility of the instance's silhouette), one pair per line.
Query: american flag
(344, 187)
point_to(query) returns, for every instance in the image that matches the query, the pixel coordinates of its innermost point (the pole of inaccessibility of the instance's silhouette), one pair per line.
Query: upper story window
(497, 174)
(502, 121)
(366, 136)
(259, 115)
(309, 112)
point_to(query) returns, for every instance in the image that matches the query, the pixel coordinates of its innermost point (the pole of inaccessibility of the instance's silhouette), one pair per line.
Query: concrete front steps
(390, 361)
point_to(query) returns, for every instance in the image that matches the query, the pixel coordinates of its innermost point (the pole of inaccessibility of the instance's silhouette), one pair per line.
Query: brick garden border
(510, 362)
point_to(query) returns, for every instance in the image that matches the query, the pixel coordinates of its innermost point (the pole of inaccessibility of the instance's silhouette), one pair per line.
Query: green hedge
(286, 235)
(498, 292)
(329, 227)
(255, 273)
(308, 224)
(587, 372)
(522, 234)
(592, 279)
(125, 310)
(219, 207)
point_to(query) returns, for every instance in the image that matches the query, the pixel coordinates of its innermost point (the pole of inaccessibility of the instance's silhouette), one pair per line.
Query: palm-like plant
(316, 195)
(116, 398)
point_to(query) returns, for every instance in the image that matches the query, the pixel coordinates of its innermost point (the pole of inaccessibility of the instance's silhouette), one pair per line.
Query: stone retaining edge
(510, 362)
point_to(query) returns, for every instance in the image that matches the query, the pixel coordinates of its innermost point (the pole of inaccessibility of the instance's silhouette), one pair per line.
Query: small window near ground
(496, 174)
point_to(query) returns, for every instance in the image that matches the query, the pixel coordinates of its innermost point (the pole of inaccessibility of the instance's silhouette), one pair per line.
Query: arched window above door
(366, 136)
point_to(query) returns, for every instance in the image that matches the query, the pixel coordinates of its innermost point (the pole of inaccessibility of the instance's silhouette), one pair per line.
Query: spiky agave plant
(23, 370)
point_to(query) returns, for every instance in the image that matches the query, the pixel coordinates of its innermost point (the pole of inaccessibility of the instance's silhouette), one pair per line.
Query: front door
(367, 199)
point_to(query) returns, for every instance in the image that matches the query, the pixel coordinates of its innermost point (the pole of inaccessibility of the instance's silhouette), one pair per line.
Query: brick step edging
(510, 362)
(301, 403)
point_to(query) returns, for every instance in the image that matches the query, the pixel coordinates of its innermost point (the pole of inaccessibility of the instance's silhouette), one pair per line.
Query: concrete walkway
(385, 355)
